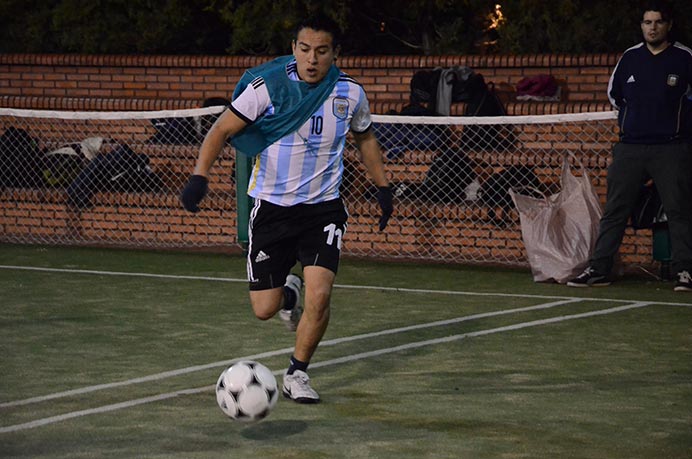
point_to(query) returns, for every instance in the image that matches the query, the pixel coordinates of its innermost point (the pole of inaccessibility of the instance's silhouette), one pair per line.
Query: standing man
(294, 113)
(650, 88)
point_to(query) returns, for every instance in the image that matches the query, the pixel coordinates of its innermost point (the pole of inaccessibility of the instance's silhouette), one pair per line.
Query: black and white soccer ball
(247, 391)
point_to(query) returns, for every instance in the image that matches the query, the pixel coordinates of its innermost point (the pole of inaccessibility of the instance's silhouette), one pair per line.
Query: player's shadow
(273, 429)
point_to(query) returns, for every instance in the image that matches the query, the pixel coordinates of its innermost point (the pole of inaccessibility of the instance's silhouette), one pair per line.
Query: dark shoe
(589, 278)
(684, 283)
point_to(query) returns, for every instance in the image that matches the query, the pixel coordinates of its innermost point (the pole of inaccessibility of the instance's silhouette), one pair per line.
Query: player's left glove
(194, 192)
(384, 199)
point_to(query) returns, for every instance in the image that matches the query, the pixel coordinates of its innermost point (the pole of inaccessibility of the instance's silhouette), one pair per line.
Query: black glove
(194, 192)
(384, 199)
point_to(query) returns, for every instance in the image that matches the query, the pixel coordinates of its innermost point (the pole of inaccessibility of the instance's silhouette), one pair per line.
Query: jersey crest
(340, 107)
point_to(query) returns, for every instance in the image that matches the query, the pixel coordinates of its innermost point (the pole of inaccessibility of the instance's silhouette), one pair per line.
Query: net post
(243, 201)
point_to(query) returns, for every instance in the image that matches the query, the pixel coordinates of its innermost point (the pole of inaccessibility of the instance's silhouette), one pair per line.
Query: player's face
(654, 28)
(314, 52)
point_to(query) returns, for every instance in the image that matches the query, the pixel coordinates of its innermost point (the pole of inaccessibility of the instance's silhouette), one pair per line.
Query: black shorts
(281, 236)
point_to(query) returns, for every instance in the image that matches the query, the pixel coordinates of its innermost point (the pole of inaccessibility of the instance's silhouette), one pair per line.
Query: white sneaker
(291, 317)
(297, 388)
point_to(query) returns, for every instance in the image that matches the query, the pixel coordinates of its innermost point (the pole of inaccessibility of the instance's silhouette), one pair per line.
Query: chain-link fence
(105, 178)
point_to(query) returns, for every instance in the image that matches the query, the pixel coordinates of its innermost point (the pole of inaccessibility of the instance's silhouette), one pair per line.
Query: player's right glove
(194, 192)
(384, 199)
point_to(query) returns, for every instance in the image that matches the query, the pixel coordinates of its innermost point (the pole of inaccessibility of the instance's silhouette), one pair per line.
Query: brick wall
(163, 82)
(83, 82)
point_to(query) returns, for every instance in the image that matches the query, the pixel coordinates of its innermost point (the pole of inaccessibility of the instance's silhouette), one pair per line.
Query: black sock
(297, 365)
(289, 298)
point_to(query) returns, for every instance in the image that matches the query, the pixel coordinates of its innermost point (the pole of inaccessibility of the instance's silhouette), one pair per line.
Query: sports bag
(20, 159)
(484, 101)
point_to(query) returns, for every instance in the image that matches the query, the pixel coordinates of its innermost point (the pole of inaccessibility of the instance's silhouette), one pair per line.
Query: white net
(451, 177)
(108, 178)
(114, 178)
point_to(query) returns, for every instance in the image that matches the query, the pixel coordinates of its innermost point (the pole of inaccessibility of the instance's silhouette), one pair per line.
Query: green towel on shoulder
(294, 102)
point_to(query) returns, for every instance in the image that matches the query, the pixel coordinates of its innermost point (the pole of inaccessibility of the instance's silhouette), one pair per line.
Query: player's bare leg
(285, 300)
(266, 303)
(313, 324)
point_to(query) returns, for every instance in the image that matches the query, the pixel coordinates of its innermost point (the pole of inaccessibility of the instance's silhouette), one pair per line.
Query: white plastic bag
(560, 231)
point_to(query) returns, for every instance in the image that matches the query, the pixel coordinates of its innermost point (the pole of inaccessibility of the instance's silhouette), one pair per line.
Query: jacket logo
(672, 80)
(630, 79)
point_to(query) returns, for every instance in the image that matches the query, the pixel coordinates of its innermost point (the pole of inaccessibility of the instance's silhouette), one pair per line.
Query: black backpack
(424, 86)
(483, 101)
(120, 170)
(450, 173)
(188, 130)
(20, 159)
(175, 131)
(494, 192)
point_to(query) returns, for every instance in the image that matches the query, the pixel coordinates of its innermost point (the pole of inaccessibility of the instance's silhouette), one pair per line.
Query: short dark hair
(660, 6)
(321, 23)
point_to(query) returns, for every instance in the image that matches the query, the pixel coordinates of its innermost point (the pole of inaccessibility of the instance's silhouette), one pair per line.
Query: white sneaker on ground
(291, 317)
(297, 388)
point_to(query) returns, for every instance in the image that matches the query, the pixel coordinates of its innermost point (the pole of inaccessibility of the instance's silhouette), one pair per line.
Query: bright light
(496, 18)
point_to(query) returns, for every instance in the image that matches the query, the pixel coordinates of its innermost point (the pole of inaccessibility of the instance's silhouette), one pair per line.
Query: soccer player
(294, 114)
(649, 87)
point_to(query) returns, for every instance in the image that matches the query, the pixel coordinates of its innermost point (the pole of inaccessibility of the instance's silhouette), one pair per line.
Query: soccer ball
(246, 391)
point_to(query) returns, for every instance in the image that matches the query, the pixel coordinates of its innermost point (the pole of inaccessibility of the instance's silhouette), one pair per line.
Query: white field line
(287, 350)
(350, 358)
(101, 409)
(344, 286)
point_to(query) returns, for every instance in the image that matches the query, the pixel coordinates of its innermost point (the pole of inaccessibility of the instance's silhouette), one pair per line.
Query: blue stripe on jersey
(283, 165)
(330, 181)
(312, 160)
(278, 165)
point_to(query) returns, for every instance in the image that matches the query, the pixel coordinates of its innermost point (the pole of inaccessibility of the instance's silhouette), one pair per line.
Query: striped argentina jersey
(305, 166)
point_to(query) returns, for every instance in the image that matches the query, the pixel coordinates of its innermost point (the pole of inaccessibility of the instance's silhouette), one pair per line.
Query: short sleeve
(361, 120)
(253, 102)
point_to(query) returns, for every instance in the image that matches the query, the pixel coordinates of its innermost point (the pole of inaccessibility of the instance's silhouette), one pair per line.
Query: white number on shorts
(333, 232)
